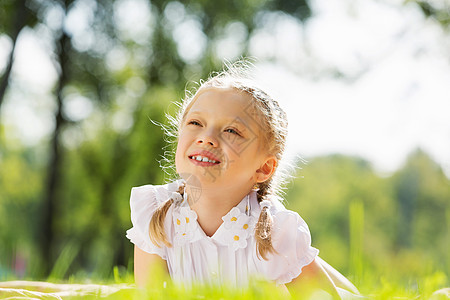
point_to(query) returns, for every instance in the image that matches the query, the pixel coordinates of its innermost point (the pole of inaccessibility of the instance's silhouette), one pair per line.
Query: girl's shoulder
(287, 220)
(287, 224)
(144, 201)
(291, 240)
(153, 194)
(281, 214)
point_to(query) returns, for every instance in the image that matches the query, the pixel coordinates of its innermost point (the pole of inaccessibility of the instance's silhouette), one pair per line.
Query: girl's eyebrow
(229, 121)
(241, 123)
(193, 112)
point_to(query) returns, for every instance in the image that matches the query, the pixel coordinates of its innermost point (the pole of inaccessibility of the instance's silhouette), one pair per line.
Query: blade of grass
(356, 212)
(64, 261)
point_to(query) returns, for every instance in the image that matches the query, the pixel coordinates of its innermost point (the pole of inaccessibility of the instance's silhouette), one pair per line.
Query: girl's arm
(313, 277)
(148, 268)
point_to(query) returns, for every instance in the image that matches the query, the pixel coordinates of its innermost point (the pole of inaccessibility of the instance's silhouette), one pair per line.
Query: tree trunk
(21, 19)
(54, 164)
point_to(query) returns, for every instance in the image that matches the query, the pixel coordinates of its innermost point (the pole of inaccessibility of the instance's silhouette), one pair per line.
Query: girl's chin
(198, 178)
(201, 174)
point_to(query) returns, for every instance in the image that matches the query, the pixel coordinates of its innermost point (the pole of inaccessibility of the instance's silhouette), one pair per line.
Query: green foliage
(20, 189)
(389, 234)
(367, 225)
(438, 11)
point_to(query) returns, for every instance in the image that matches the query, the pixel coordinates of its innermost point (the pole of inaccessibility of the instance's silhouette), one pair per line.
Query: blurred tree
(422, 192)
(124, 74)
(15, 16)
(405, 215)
(437, 10)
(51, 196)
(323, 192)
(407, 188)
(101, 147)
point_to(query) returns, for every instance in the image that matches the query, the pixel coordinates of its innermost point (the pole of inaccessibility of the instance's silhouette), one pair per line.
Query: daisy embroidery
(239, 226)
(231, 218)
(246, 224)
(237, 239)
(185, 225)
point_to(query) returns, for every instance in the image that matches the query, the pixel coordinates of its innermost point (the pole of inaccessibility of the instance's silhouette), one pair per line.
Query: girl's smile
(204, 158)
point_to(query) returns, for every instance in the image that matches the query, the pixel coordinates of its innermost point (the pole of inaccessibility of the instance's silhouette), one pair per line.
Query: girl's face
(220, 140)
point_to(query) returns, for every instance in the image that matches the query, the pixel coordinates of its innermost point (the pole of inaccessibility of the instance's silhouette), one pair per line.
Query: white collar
(238, 224)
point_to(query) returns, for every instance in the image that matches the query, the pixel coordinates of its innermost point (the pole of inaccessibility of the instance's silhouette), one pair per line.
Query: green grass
(374, 286)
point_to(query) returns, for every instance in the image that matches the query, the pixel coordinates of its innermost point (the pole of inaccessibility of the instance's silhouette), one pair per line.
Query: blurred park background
(366, 88)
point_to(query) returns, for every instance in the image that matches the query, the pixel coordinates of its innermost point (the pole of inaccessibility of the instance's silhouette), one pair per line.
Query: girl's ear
(267, 168)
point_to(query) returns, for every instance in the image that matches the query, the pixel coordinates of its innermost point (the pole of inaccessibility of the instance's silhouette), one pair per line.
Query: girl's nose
(209, 140)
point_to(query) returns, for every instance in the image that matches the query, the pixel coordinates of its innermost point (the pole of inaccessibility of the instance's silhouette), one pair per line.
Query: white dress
(230, 255)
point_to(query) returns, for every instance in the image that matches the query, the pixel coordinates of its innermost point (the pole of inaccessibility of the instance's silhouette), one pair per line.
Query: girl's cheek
(180, 150)
(177, 158)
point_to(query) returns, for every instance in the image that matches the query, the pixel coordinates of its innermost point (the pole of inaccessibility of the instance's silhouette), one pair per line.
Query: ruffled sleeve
(292, 241)
(144, 201)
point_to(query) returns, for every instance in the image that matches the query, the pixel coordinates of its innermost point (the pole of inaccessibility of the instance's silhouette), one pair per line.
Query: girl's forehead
(221, 100)
(226, 102)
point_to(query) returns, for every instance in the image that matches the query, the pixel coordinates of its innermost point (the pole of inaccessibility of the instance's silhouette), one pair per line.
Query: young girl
(223, 222)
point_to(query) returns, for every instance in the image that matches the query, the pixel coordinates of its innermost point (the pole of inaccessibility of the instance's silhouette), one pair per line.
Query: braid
(156, 228)
(263, 228)
(263, 190)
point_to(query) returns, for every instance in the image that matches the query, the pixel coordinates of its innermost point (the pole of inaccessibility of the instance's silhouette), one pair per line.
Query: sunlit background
(365, 85)
(367, 78)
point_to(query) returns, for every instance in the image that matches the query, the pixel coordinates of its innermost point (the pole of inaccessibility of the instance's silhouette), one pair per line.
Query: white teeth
(203, 159)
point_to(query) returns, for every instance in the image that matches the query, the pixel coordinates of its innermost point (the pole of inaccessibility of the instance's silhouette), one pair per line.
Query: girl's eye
(193, 122)
(231, 130)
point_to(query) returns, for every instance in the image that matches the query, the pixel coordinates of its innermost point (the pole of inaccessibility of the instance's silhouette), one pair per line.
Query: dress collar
(238, 224)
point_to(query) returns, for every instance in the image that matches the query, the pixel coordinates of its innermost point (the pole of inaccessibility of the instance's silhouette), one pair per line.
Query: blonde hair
(273, 121)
